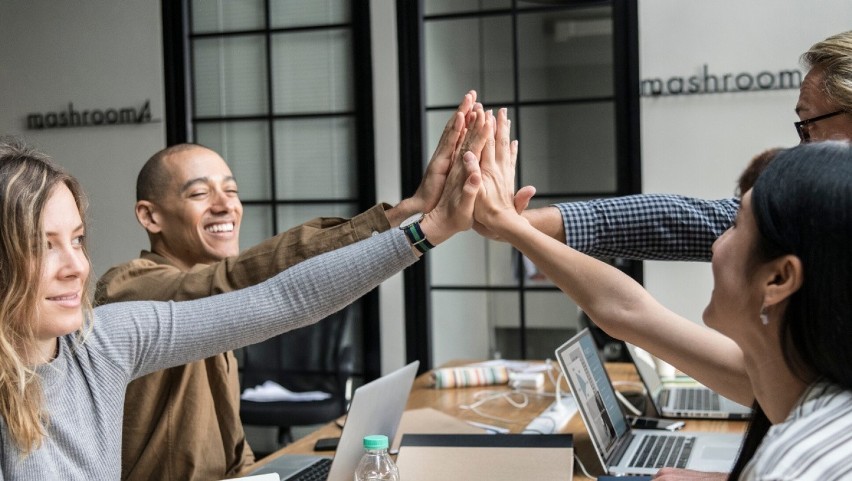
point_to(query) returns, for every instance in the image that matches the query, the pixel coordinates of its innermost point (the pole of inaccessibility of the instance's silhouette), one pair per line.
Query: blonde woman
(64, 366)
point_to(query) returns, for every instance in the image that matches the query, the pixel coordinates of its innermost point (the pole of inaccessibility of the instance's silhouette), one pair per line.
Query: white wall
(698, 145)
(97, 54)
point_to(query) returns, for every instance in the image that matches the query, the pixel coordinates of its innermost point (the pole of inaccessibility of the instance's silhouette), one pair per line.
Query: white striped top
(813, 443)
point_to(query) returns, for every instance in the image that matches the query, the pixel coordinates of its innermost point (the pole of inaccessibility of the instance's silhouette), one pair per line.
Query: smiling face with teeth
(196, 219)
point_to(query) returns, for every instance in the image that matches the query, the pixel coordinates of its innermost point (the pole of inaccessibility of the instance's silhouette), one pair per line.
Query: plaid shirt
(647, 226)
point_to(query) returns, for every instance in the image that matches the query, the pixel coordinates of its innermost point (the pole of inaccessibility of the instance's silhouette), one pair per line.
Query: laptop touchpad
(722, 453)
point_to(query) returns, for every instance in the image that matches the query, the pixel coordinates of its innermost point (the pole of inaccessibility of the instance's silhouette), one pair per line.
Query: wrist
(548, 220)
(402, 211)
(415, 235)
(434, 229)
(505, 221)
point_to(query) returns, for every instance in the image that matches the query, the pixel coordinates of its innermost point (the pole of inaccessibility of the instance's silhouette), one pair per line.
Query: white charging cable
(492, 395)
(627, 404)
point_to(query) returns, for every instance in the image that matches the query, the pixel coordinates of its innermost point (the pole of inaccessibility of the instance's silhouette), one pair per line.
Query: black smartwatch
(411, 227)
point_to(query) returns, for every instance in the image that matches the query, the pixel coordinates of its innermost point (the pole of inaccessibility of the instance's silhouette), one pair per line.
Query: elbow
(619, 318)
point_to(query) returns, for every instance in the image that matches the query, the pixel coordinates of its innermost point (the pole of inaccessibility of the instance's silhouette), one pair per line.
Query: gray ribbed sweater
(84, 386)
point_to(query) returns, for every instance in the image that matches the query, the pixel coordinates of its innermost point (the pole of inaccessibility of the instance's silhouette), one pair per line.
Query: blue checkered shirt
(647, 226)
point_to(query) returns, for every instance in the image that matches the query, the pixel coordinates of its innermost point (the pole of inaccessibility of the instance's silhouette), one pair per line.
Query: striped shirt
(813, 443)
(647, 226)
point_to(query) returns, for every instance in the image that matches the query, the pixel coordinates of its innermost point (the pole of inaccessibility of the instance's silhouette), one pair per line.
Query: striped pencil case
(469, 376)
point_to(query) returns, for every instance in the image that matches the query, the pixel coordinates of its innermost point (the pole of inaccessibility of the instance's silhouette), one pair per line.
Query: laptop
(376, 408)
(671, 401)
(620, 449)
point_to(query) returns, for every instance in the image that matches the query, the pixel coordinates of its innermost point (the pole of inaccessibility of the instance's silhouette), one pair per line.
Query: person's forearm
(625, 310)
(647, 226)
(153, 336)
(398, 213)
(548, 220)
(147, 279)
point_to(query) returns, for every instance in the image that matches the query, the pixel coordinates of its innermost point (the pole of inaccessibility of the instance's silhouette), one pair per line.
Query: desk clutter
(518, 374)
(271, 391)
(450, 377)
(472, 430)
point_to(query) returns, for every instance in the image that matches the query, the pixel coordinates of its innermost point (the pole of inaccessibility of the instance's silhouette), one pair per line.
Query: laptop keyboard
(696, 399)
(317, 471)
(663, 451)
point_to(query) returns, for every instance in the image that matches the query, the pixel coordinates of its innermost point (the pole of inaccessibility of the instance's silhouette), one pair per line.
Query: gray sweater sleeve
(142, 337)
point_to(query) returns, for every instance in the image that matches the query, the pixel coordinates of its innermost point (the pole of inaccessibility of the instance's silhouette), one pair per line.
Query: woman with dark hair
(780, 312)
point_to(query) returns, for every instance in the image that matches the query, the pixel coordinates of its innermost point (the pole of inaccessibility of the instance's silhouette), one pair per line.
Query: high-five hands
(429, 191)
(496, 201)
(453, 211)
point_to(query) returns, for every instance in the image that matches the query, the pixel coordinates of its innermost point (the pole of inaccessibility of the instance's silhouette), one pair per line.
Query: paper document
(271, 391)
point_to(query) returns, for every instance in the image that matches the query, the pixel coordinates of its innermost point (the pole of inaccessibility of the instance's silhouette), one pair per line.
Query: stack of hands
(472, 175)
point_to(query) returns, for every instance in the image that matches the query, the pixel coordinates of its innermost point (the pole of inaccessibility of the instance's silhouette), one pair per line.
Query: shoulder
(130, 281)
(815, 442)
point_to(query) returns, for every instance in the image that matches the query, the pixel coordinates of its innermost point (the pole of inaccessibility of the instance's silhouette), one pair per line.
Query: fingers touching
(432, 185)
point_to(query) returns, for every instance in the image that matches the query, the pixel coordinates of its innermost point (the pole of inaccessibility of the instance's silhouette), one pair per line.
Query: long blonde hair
(27, 179)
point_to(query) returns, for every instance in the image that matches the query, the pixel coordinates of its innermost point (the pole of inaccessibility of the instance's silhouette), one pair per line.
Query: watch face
(407, 222)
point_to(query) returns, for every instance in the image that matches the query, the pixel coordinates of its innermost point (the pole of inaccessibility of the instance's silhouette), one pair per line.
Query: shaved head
(155, 175)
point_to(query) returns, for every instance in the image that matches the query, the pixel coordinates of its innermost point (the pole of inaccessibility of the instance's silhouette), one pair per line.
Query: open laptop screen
(593, 391)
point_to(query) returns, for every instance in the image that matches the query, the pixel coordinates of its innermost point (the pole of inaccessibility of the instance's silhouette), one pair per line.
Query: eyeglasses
(802, 125)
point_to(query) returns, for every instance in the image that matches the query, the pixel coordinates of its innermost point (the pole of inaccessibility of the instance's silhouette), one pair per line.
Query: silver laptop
(625, 451)
(376, 408)
(683, 401)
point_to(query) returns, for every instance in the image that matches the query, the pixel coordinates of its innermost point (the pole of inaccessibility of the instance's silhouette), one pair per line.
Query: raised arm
(168, 334)
(429, 191)
(644, 227)
(154, 278)
(613, 300)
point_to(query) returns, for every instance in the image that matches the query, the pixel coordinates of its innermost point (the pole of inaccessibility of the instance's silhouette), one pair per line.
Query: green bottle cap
(376, 441)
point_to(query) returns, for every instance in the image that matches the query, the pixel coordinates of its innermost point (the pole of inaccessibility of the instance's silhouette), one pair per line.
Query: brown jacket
(183, 423)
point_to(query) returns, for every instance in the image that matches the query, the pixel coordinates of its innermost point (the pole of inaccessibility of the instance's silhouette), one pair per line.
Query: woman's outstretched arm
(613, 300)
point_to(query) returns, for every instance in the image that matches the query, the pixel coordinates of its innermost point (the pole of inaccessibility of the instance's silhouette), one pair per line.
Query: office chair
(314, 358)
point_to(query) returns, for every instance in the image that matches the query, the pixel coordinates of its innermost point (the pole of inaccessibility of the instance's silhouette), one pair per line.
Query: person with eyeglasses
(675, 227)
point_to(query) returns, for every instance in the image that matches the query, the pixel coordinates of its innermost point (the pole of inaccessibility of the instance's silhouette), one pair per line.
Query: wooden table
(449, 401)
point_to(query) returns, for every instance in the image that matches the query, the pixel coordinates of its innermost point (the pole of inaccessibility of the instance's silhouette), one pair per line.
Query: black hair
(802, 205)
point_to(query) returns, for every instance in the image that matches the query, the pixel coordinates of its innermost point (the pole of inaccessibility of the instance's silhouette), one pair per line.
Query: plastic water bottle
(376, 465)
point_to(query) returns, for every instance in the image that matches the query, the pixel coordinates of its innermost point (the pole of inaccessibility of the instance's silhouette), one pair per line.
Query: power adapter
(526, 380)
(554, 418)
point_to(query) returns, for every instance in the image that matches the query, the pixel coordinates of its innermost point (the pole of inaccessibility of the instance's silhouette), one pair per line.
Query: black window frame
(410, 18)
(180, 119)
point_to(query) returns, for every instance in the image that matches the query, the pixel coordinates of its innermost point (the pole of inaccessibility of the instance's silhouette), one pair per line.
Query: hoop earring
(764, 318)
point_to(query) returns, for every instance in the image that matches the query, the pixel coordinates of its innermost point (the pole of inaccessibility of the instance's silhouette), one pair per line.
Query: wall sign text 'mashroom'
(711, 83)
(72, 117)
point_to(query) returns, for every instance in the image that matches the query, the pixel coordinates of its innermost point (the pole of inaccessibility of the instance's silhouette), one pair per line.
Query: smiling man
(183, 423)
(196, 219)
